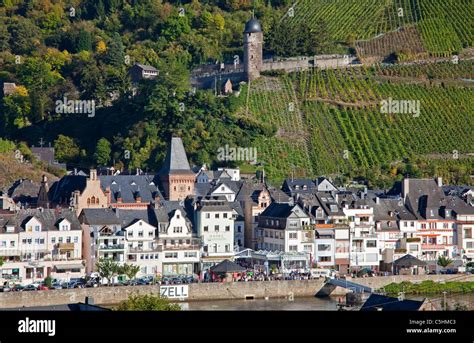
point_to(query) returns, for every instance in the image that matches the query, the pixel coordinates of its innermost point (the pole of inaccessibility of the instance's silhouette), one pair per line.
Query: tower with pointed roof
(177, 178)
(253, 49)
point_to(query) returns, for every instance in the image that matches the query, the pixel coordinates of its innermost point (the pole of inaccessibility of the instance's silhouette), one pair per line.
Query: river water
(308, 303)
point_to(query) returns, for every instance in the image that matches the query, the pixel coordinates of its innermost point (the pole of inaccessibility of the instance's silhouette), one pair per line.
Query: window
(227, 228)
(68, 240)
(140, 233)
(239, 229)
(37, 228)
(130, 233)
(150, 234)
(208, 215)
(178, 229)
(216, 228)
(53, 240)
(324, 258)
(206, 228)
(372, 244)
(216, 215)
(324, 247)
(293, 235)
(225, 215)
(293, 248)
(60, 239)
(76, 239)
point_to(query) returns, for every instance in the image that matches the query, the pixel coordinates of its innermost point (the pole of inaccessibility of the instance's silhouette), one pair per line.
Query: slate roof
(99, 216)
(300, 186)
(49, 218)
(62, 190)
(130, 186)
(408, 261)
(129, 217)
(176, 160)
(252, 26)
(146, 67)
(227, 266)
(424, 194)
(250, 191)
(377, 301)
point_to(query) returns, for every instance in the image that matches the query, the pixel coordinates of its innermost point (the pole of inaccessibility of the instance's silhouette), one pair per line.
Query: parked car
(56, 285)
(18, 288)
(42, 288)
(5, 288)
(30, 287)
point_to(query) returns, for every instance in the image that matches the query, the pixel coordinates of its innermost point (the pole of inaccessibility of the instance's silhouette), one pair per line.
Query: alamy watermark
(227, 153)
(394, 106)
(65, 106)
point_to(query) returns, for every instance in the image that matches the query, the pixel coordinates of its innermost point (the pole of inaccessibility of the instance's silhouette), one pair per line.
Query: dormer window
(448, 214)
(37, 228)
(431, 213)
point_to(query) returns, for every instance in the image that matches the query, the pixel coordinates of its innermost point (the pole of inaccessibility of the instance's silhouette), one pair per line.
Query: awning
(68, 266)
(66, 246)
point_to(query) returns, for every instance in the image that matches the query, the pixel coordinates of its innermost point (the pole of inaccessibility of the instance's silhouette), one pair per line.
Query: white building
(36, 243)
(286, 227)
(215, 220)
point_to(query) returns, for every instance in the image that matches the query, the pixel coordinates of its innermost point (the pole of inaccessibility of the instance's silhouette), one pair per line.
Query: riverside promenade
(205, 291)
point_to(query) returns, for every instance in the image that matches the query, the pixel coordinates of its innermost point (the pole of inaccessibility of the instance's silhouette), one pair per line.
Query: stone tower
(176, 176)
(253, 49)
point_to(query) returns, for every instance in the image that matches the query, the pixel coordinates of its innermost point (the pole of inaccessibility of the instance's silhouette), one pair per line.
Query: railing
(158, 248)
(112, 247)
(181, 247)
(432, 247)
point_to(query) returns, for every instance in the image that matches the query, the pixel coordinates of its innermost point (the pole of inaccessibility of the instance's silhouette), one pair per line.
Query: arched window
(93, 200)
(88, 201)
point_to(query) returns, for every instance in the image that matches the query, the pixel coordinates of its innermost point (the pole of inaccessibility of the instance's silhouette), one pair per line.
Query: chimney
(93, 174)
(439, 180)
(108, 195)
(405, 188)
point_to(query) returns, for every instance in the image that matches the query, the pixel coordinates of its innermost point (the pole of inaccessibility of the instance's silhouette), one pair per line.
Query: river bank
(289, 289)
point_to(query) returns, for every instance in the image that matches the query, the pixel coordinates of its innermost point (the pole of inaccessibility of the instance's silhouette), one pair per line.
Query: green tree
(107, 269)
(147, 302)
(444, 261)
(103, 151)
(66, 149)
(115, 52)
(84, 41)
(129, 270)
(25, 35)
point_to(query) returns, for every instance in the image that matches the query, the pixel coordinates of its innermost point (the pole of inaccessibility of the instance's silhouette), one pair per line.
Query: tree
(107, 269)
(129, 270)
(147, 302)
(444, 261)
(115, 52)
(84, 41)
(24, 35)
(103, 151)
(66, 149)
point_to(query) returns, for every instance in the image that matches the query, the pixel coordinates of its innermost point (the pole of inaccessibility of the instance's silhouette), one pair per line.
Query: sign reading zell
(174, 292)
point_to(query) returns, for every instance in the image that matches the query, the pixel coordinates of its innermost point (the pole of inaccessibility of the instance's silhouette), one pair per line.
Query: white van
(317, 273)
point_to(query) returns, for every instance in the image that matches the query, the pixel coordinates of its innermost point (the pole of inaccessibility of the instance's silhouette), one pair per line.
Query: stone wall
(204, 291)
(382, 281)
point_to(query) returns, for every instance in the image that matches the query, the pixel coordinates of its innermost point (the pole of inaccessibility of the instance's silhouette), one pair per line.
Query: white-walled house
(215, 220)
(181, 247)
(36, 243)
(286, 227)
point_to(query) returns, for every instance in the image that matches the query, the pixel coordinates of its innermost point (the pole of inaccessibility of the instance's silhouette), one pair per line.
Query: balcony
(432, 247)
(158, 248)
(112, 247)
(181, 247)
